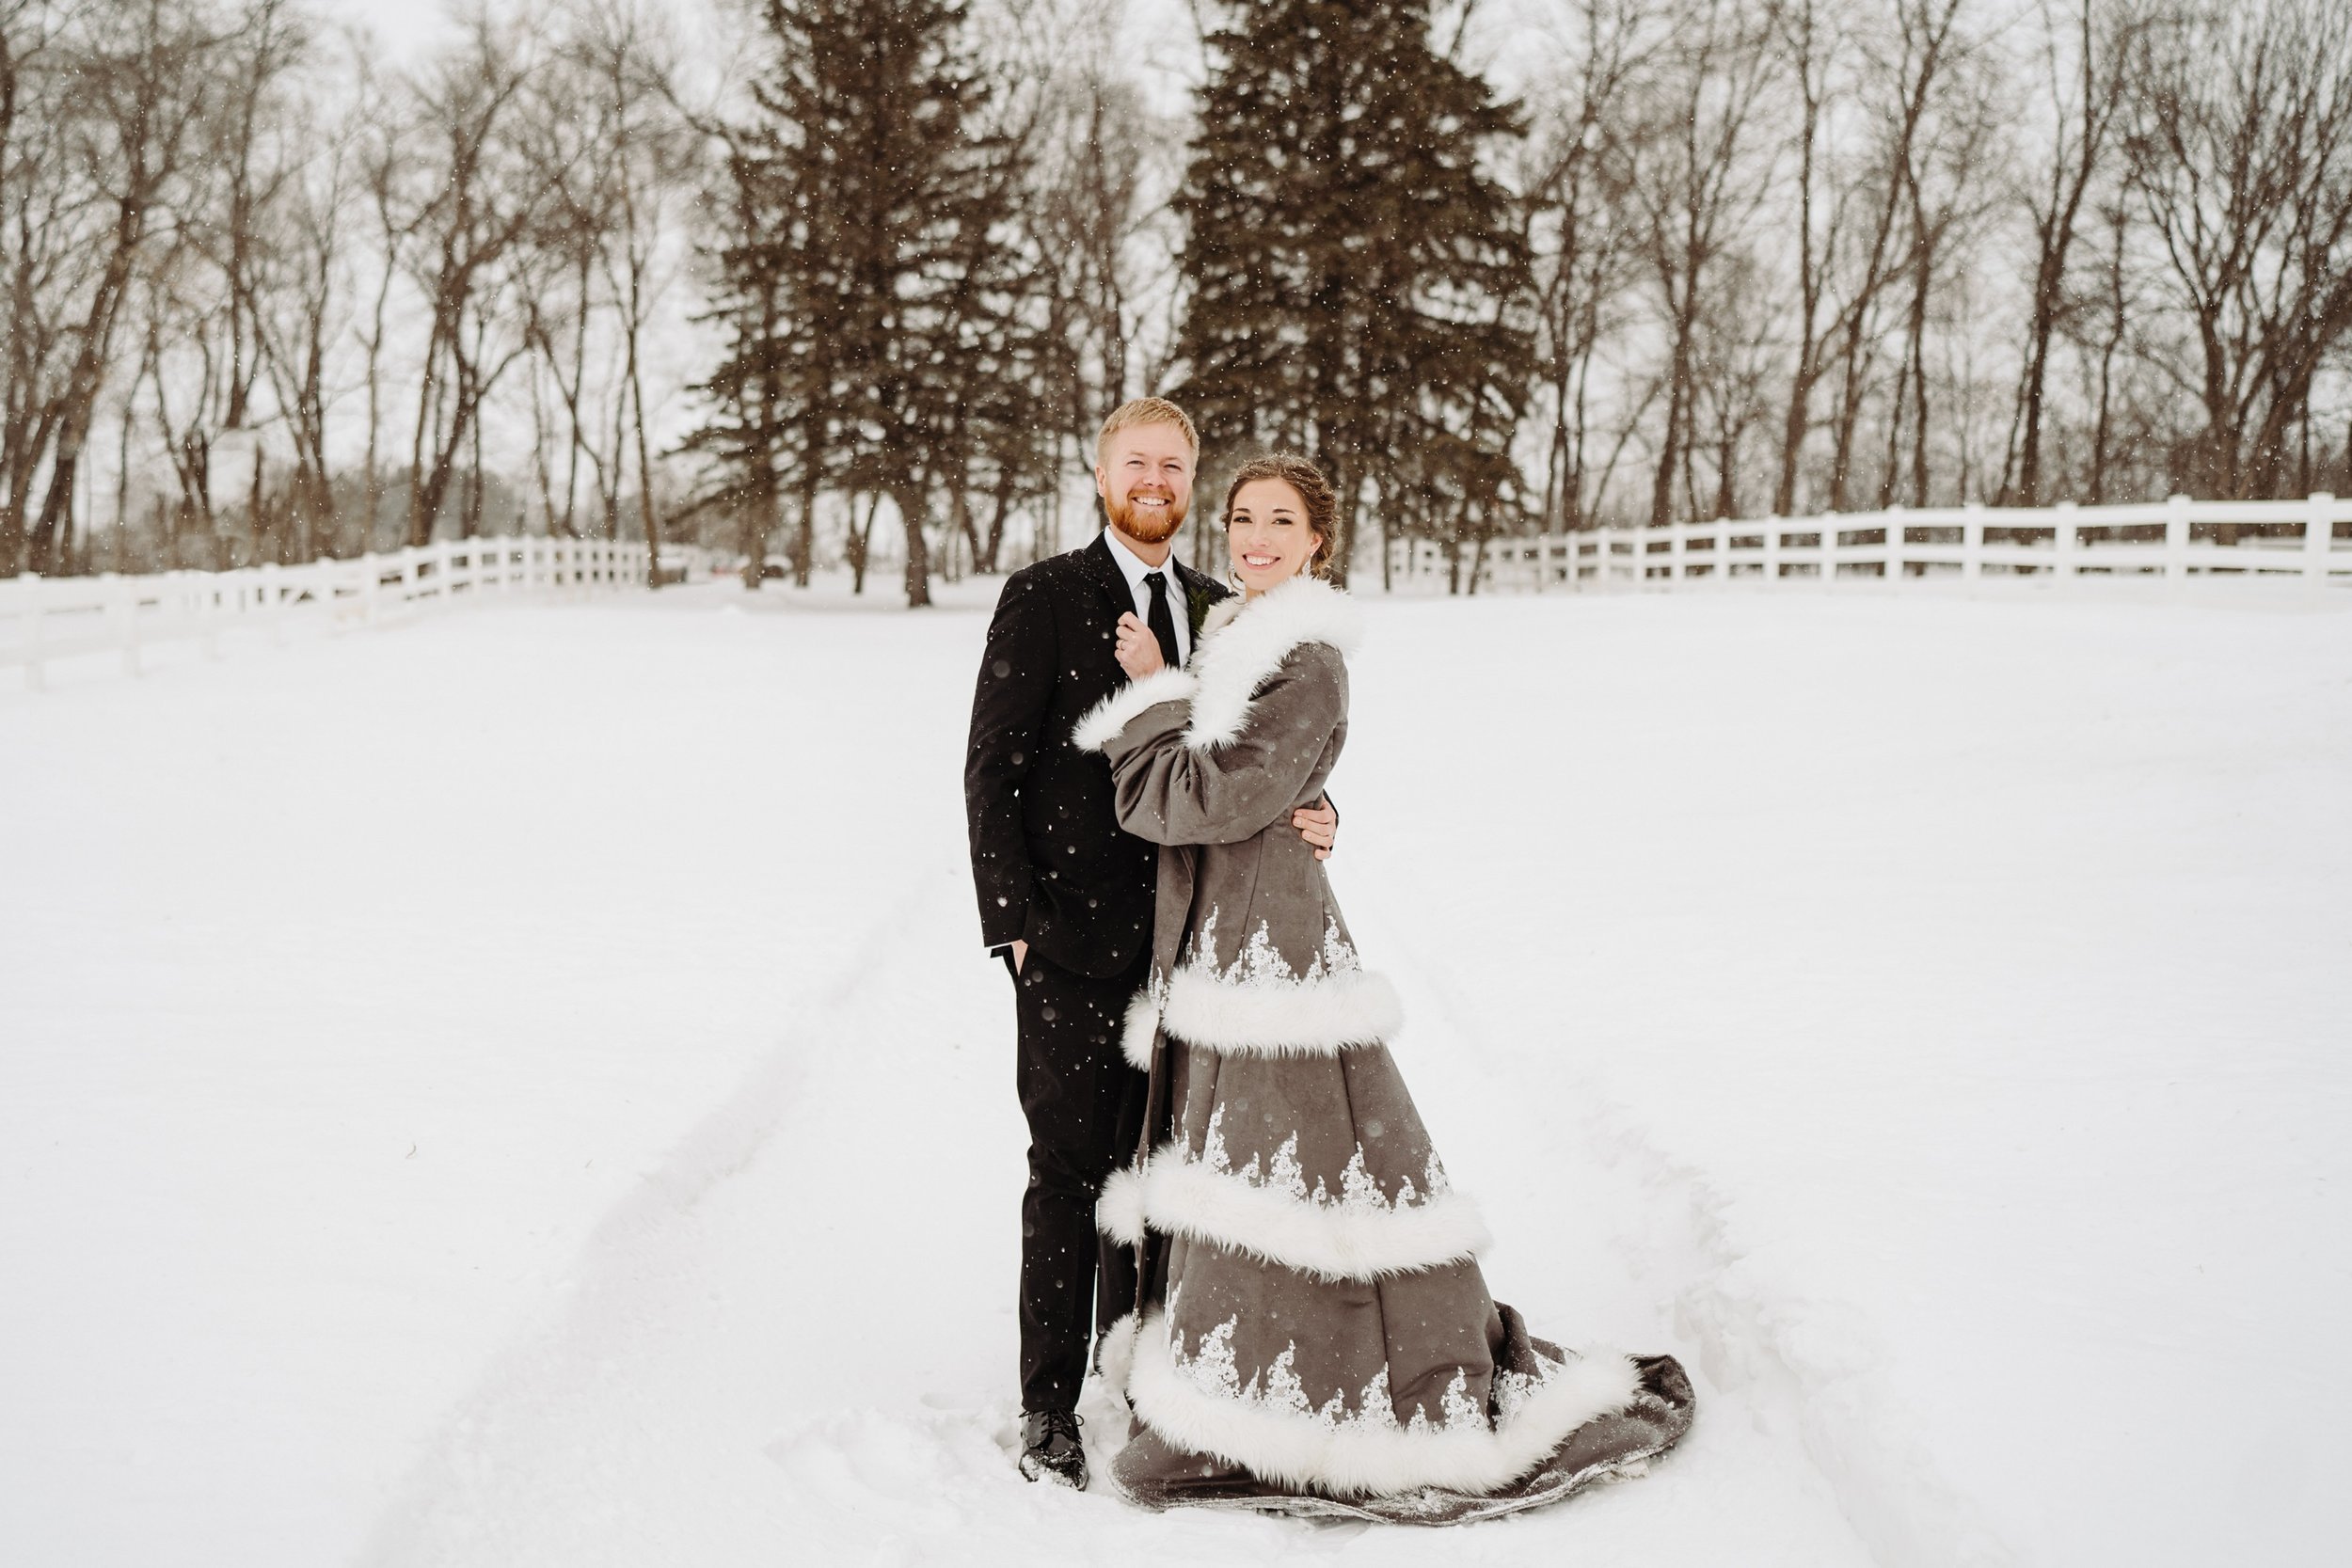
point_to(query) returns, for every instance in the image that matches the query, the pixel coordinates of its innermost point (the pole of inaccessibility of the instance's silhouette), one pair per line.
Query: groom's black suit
(1054, 869)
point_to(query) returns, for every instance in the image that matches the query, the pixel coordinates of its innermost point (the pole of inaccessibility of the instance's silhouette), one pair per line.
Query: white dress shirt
(1134, 566)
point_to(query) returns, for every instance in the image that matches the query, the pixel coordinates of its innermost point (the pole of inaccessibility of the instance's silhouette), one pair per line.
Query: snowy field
(521, 1087)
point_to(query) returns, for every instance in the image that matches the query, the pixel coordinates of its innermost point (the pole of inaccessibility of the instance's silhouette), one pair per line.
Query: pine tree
(1357, 277)
(764, 419)
(870, 252)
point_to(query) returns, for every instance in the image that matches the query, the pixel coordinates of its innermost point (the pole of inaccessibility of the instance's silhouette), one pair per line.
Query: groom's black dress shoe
(1050, 1449)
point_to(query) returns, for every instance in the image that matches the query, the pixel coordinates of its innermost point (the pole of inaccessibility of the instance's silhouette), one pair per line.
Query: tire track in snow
(704, 1400)
(1803, 1370)
(767, 1355)
(641, 1249)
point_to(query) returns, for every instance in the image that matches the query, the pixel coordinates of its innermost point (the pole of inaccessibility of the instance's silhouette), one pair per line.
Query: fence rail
(46, 619)
(2310, 539)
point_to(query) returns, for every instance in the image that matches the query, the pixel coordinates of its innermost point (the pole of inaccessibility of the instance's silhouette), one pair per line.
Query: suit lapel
(1096, 559)
(1200, 594)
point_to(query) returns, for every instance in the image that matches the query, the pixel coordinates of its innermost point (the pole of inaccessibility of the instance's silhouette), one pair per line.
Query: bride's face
(1266, 531)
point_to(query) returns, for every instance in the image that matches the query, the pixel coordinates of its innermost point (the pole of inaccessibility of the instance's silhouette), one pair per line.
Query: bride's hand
(1138, 650)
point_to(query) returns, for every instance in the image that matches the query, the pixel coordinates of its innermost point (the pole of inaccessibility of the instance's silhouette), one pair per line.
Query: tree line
(267, 300)
(846, 280)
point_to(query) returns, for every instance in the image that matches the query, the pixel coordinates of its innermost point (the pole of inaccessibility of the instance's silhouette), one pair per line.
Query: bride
(1312, 1334)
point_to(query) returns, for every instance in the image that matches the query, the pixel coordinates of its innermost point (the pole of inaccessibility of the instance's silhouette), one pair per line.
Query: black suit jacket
(1052, 865)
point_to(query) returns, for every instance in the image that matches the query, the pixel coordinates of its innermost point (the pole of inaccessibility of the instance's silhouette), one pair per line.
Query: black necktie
(1163, 624)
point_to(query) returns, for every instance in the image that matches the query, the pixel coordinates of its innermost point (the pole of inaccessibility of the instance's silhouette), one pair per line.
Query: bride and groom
(1232, 1203)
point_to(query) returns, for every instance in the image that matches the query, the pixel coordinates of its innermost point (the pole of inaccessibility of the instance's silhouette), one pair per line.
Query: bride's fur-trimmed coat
(1313, 1333)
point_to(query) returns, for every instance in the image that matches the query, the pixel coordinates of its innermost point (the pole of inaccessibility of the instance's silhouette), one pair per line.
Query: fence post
(126, 601)
(197, 589)
(2063, 539)
(1829, 547)
(2319, 534)
(1772, 549)
(28, 588)
(1972, 542)
(2176, 537)
(272, 594)
(1893, 543)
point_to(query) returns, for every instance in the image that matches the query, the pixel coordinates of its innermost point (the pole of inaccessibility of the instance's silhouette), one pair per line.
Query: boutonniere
(1196, 602)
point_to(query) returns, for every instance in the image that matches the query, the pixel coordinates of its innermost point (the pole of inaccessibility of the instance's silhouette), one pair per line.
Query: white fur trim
(1291, 1449)
(1114, 713)
(1142, 1031)
(1115, 1356)
(1333, 1239)
(1250, 647)
(1119, 1213)
(1318, 1016)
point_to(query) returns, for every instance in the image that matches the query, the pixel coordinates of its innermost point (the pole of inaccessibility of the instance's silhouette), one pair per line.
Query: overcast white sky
(403, 24)
(1496, 44)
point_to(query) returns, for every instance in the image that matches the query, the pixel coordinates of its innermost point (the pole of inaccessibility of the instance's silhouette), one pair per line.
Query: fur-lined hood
(1243, 643)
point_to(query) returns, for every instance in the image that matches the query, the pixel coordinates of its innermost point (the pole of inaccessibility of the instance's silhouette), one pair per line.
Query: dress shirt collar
(1133, 568)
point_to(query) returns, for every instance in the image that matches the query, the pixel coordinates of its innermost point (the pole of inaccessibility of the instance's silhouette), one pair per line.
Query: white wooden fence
(2176, 539)
(46, 619)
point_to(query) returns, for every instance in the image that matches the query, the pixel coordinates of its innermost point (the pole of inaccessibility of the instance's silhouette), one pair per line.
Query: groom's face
(1144, 476)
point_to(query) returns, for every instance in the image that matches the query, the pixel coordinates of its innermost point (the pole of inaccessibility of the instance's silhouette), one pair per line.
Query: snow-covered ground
(521, 1087)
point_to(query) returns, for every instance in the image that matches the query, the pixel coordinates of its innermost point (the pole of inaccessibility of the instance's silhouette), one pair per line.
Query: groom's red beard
(1150, 527)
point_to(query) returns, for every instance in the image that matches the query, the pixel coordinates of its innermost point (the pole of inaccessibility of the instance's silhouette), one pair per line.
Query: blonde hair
(1147, 411)
(1322, 503)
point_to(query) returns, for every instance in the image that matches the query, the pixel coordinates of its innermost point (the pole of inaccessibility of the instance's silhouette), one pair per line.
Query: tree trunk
(861, 538)
(1678, 383)
(804, 535)
(909, 501)
(959, 506)
(645, 464)
(1006, 477)
(1344, 480)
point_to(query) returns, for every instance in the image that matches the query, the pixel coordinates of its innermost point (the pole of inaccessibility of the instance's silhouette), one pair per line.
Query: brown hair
(1322, 503)
(1147, 411)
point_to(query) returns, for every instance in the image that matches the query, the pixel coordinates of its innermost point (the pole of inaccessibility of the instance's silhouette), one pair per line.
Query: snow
(521, 1087)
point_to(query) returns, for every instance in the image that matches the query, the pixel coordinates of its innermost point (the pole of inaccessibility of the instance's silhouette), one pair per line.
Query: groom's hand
(1318, 824)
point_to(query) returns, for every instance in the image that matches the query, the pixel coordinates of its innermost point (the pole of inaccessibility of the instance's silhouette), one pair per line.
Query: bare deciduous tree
(1697, 179)
(2241, 150)
(1579, 213)
(2083, 64)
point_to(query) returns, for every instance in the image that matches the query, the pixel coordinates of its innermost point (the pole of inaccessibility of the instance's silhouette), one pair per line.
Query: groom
(1066, 893)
